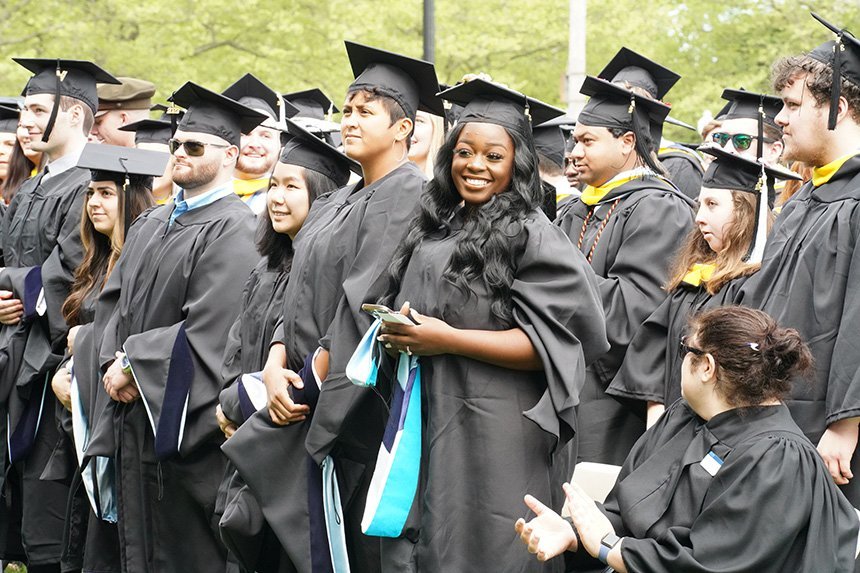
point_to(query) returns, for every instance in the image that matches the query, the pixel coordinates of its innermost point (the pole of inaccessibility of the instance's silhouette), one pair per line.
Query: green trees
(293, 44)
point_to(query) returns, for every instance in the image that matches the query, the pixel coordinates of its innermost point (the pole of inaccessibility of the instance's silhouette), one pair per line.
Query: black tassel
(836, 87)
(56, 108)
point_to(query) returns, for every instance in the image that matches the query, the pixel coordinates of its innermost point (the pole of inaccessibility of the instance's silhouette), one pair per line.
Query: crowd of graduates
(245, 337)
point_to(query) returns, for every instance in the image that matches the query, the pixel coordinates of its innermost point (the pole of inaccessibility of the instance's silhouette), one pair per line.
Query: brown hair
(68, 102)
(818, 78)
(729, 262)
(793, 186)
(20, 169)
(101, 252)
(756, 358)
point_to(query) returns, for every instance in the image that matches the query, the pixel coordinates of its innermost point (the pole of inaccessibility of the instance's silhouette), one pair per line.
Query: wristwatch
(125, 364)
(609, 541)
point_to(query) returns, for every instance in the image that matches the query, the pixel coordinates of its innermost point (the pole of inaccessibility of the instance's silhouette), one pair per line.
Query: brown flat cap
(132, 93)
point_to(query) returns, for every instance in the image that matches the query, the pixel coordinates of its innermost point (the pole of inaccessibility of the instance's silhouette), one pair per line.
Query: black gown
(341, 258)
(684, 167)
(809, 281)
(40, 233)
(490, 433)
(771, 506)
(631, 260)
(651, 370)
(175, 295)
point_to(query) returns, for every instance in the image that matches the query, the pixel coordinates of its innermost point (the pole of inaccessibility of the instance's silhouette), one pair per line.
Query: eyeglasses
(686, 349)
(192, 148)
(740, 141)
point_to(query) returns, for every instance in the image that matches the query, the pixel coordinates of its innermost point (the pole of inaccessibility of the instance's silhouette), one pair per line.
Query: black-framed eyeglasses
(687, 349)
(740, 141)
(192, 148)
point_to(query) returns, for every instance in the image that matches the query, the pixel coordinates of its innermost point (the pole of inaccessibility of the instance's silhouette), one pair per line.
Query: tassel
(836, 86)
(61, 75)
(756, 250)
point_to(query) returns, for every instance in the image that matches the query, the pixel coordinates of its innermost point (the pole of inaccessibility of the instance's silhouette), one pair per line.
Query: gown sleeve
(557, 305)
(177, 367)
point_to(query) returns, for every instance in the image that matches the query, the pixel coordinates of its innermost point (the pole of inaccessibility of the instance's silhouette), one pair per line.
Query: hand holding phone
(385, 314)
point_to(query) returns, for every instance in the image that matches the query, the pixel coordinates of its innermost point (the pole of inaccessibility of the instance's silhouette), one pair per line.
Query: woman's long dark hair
(20, 169)
(278, 247)
(486, 250)
(100, 251)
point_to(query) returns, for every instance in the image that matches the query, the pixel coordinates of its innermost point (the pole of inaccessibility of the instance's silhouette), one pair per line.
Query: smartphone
(385, 314)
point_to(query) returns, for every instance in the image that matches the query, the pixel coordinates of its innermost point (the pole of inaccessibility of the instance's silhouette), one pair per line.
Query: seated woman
(120, 190)
(724, 481)
(509, 317)
(712, 263)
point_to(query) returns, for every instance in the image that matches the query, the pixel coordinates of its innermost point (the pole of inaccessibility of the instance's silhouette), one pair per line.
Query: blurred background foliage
(295, 44)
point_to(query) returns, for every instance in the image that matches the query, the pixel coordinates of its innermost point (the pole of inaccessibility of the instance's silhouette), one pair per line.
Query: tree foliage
(295, 44)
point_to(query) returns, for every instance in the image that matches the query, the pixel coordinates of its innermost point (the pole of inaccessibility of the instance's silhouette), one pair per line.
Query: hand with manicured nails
(837, 447)
(429, 337)
(120, 385)
(548, 534)
(227, 426)
(278, 379)
(11, 309)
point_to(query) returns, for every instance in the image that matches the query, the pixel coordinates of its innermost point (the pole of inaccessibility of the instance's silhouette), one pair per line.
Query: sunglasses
(192, 148)
(686, 349)
(740, 141)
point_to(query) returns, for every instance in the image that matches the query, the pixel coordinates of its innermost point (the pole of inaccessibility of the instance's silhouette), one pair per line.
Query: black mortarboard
(612, 106)
(637, 70)
(843, 54)
(312, 103)
(9, 119)
(744, 104)
(488, 102)
(251, 92)
(551, 138)
(410, 82)
(117, 163)
(736, 173)
(213, 113)
(306, 150)
(72, 78)
(150, 131)
(114, 162)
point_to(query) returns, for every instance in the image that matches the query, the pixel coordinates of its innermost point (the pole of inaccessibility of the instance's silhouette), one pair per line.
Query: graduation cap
(117, 163)
(736, 173)
(150, 131)
(215, 114)
(72, 78)
(636, 70)
(612, 106)
(843, 55)
(251, 92)
(551, 138)
(312, 103)
(488, 102)
(307, 150)
(750, 105)
(9, 119)
(410, 82)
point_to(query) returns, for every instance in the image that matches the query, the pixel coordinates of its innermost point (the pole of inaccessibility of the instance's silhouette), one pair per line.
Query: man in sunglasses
(809, 274)
(738, 129)
(171, 301)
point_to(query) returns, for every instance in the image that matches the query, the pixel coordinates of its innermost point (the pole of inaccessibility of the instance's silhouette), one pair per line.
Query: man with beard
(120, 105)
(261, 147)
(165, 312)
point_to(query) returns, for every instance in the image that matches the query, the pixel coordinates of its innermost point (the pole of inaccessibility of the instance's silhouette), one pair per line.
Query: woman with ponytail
(712, 263)
(724, 481)
(508, 317)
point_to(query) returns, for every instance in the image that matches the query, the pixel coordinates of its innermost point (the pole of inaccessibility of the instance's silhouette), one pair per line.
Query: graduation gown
(770, 507)
(808, 281)
(341, 259)
(631, 260)
(40, 233)
(651, 370)
(685, 168)
(174, 292)
(502, 430)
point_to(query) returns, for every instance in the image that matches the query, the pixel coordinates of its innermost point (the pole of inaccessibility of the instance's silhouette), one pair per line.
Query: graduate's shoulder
(655, 192)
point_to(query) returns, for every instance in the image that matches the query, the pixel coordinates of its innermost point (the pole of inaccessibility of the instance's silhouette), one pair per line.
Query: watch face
(610, 540)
